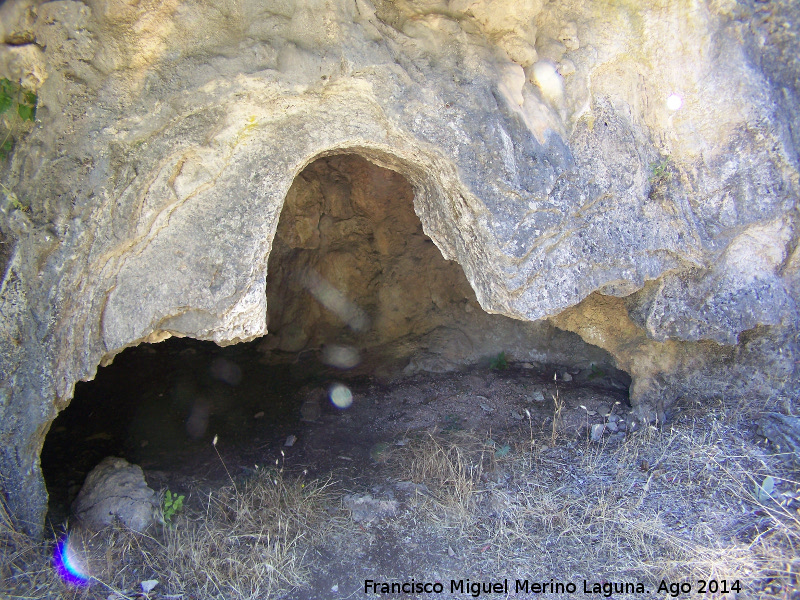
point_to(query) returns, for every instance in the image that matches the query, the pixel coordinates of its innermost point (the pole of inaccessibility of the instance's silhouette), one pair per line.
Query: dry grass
(450, 467)
(676, 503)
(247, 543)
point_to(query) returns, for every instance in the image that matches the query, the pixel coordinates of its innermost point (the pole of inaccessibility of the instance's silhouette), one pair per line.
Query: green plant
(499, 362)
(660, 171)
(596, 372)
(14, 199)
(23, 102)
(172, 505)
(764, 492)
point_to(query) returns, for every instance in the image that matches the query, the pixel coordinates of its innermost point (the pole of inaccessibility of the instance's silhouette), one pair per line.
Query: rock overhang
(161, 159)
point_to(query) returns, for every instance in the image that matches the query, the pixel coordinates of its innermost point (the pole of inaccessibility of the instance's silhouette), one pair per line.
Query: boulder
(115, 491)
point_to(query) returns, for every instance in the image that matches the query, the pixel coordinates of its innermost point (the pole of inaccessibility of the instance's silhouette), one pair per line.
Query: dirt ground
(519, 475)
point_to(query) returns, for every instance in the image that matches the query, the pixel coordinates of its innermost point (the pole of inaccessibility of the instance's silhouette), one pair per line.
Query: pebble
(290, 440)
(516, 415)
(603, 410)
(148, 585)
(259, 414)
(537, 396)
(612, 427)
(566, 376)
(597, 431)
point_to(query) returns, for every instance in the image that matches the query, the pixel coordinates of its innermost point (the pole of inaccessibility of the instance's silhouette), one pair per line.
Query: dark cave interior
(357, 293)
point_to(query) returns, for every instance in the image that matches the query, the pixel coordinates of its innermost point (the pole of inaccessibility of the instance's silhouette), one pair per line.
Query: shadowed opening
(359, 298)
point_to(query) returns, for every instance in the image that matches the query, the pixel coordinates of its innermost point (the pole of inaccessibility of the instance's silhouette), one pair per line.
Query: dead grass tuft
(450, 467)
(676, 503)
(248, 542)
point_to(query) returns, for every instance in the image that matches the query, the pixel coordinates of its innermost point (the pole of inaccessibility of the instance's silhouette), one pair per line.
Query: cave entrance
(358, 296)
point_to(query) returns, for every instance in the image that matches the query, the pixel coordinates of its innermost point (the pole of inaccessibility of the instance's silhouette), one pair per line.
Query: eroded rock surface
(537, 138)
(115, 490)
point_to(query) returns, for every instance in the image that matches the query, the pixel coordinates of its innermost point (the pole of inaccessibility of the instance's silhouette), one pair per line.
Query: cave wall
(535, 135)
(353, 278)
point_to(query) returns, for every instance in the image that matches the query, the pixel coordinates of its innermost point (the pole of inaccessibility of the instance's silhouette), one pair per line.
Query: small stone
(597, 431)
(335, 587)
(537, 396)
(148, 585)
(486, 408)
(603, 410)
(612, 427)
(613, 418)
(258, 415)
(566, 376)
(450, 552)
(290, 440)
(527, 365)
(516, 415)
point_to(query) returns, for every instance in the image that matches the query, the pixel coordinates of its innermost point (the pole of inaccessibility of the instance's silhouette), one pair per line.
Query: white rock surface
(115, 490)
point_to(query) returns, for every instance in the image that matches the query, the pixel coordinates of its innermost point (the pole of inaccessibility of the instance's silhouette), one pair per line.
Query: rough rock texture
(115, 490)
(352, 273)
(537, 139)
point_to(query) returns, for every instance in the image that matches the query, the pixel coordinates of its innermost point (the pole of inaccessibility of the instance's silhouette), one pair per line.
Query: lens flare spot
(197, 423)
(674, 102)
(342, 357)
(335, 301)
(227, 371)
(340, 395)
(69, 564)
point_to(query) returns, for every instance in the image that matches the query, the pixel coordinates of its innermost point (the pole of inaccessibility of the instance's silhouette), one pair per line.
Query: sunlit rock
(539, 142)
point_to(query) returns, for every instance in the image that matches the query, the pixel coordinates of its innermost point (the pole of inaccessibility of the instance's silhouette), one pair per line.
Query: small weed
(14, 200)
(763, 492)
(499, 362)
(172, 505)
(23, 102)
(660, 171)
(558, 407)
(502, 451)
(596, 373)
(12, 94)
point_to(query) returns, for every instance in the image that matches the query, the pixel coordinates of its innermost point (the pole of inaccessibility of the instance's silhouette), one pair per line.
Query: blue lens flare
(68, 564)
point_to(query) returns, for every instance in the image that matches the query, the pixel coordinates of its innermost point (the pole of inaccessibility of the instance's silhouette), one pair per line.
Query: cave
(358, 296)
(547, 249)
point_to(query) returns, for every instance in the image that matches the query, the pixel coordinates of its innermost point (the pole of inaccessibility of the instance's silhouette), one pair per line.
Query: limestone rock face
(635, 165)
